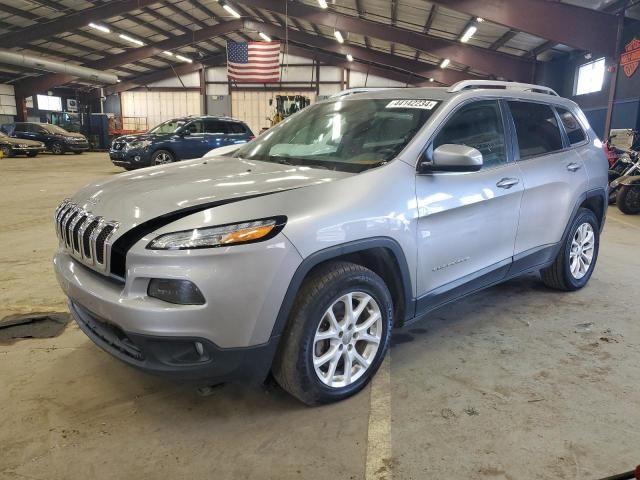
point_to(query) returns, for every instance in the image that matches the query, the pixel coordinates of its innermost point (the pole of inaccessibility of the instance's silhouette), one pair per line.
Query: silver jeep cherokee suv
(299, 254)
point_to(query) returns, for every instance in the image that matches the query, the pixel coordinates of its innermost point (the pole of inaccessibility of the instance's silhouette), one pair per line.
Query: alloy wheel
(582, 249)
(163, 158)
(347, 339)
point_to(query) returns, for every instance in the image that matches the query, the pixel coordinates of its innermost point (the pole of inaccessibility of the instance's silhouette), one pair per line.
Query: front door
(194, 144)
(468, 221)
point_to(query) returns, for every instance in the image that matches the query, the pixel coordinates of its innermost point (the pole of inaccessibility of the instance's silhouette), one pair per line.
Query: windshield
(170, 126)
(350, 135)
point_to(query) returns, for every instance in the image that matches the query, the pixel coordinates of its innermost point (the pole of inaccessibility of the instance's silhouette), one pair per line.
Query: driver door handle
(507, 182)
(574, 167)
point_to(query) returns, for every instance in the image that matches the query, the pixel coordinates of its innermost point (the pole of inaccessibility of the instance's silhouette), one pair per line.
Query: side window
(20, 127)
(536, 128)
(571, 126)
(195, 127)
(477, 125)
(236, 128)
(214, 126)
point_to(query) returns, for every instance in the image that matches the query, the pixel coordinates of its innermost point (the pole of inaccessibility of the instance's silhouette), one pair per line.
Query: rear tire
(628, 199)
(574, 264)
(320, 327)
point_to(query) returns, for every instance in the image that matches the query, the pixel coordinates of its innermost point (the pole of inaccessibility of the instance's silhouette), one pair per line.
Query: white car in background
(225, 151)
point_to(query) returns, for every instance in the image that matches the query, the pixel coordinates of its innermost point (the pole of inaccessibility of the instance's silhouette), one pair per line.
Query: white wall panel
(7, 100)
(157, 107)
(360, 79)
(190, 80)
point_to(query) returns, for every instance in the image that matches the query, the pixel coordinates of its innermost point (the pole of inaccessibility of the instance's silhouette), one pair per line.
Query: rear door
(468, 221)
(216, 133)
(553, 174)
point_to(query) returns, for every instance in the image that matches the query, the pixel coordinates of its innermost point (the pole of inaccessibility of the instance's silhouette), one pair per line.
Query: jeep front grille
(84, 235)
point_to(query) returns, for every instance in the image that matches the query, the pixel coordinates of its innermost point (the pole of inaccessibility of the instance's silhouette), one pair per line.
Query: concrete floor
(507, 384)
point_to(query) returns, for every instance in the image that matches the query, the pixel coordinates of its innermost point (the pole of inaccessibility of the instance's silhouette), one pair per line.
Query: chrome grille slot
(84, 235)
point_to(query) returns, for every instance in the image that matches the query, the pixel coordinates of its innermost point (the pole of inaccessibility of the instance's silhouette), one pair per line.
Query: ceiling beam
(421, 69)
(325, 58)
(71, 22)
(48, 81)
(579, 27)
(505, 38)
(331, 59)
(490, 62)
(184, 69)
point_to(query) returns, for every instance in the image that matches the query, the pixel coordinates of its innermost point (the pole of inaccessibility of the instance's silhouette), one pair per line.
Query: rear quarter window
(237, 128)
(571, 126)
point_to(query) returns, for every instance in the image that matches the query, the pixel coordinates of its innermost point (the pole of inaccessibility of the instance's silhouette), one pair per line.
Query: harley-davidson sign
(630, 59)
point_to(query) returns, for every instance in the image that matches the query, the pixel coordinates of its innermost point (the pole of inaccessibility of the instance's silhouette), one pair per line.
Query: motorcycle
(624, 164)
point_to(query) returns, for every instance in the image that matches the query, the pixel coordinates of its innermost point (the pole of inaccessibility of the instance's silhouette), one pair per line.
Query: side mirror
(185, 132)
(454, 158)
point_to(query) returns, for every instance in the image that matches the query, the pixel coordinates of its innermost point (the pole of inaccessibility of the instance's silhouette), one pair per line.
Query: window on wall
(590, 77)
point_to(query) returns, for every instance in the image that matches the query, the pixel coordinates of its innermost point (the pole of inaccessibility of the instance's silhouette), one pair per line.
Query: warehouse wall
(7, 104)
(561, 75)
(158, 106)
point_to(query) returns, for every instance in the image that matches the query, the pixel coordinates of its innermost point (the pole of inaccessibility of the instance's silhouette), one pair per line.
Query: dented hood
(135, 197)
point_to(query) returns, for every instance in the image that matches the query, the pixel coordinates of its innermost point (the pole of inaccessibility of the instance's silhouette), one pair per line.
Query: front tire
(57, 148)
(337, 336)
(32, 154)
(6, 151)
(162, 157)
(628, 200)
(574, 264)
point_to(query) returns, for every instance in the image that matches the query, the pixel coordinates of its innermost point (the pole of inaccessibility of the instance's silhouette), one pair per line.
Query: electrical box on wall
(72, 105)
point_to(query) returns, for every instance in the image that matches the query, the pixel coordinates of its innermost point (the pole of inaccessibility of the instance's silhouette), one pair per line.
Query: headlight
(141, 144)
(235, 234)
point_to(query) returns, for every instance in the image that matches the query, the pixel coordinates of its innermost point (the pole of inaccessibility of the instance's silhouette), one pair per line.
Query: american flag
(253, 62)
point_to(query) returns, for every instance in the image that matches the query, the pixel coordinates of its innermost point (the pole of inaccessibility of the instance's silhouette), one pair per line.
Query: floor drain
(33, 325)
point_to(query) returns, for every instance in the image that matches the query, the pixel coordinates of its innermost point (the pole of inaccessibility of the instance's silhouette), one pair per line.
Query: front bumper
(180, 358)
(243, 286)
(76, 147)
(26, 150)
(133, 158)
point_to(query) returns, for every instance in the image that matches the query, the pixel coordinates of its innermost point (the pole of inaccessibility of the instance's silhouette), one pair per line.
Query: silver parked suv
(299, 254)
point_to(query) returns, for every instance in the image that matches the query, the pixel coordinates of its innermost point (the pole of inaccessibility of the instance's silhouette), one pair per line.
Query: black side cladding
(122, 245)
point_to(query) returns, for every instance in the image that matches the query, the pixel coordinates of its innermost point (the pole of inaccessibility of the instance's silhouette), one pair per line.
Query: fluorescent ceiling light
(431, 79)
(323, 3)
(265, 37)
(479, 19)
(349, 57)
(184, 59)
(468, 33)
(231, 10)
(168, 54)
(102, 28)
(338, 36)
(132, 40)
(445, 63)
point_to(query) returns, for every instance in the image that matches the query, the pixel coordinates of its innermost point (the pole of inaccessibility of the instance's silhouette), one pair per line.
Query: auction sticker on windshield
(422, 104)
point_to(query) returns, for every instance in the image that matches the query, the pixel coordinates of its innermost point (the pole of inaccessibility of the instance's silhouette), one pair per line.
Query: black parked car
(56, 139)
(18, 146)
(178, 139)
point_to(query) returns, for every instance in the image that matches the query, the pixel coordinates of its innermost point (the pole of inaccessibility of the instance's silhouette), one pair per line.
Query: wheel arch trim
(335, 252)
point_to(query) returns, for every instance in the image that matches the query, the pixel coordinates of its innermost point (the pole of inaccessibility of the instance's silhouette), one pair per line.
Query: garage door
(157, 107)
(253, 107)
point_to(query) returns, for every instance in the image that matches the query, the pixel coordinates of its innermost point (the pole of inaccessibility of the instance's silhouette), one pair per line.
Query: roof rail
(496, 84)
